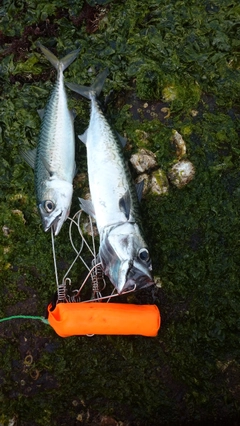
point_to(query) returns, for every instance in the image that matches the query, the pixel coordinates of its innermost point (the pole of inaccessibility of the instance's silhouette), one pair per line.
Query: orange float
(71, 319)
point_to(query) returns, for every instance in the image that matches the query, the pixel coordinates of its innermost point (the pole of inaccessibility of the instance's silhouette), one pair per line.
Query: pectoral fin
(122, 140)
(139, 189)
(46, 165)
(83, 137)
(125, 204)
(30, 157)
(73, 114)
(41, 113)
(87, 207)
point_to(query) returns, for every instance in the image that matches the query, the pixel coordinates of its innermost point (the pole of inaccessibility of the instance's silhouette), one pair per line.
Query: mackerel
(54, 158)
(123, 252)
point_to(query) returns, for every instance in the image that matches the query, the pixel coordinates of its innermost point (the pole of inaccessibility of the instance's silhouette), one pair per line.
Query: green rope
(25, 317)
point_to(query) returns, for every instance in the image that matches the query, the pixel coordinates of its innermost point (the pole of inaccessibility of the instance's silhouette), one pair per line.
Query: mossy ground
(183, 56)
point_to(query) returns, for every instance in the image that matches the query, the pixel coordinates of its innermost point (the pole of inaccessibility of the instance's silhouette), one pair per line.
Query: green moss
(184, 57)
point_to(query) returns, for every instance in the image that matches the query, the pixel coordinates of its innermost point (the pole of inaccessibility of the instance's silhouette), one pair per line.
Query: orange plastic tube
(70, 319)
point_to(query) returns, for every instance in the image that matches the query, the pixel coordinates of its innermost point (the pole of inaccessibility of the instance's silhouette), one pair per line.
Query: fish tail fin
(99, 82)
(95, 89)
(62, 63)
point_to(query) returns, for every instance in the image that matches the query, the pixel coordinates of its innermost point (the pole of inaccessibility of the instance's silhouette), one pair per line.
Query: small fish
(123, 251)
(54, 158)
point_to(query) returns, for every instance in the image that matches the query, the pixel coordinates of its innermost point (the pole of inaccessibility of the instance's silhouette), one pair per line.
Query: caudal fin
(59, 63)
(95, 88)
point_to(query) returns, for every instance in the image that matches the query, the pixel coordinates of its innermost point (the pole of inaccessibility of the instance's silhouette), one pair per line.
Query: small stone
(12, 422)
(158, 182)
(79, 417)
(19, 213)
(6, 230)
(108, 421)
(180, 144)
(181, 173)
(144, 160)
(194, 113)
(158, 281)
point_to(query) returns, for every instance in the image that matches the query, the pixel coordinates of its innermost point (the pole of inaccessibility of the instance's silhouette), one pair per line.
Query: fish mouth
(138, 276)
(125, 274)
(54, 221)
(56, 225)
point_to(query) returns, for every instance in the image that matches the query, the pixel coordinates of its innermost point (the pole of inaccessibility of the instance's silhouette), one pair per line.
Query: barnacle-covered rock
(180, 144)
(181, 173)
(144, 160)
(155, 183)
(158, 182)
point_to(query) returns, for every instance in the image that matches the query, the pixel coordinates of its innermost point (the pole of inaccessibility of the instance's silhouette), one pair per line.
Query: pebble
(181, 173)
(144, 160)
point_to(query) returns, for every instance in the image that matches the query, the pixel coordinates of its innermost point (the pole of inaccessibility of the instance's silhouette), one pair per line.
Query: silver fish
(123, 252)
(54, 157)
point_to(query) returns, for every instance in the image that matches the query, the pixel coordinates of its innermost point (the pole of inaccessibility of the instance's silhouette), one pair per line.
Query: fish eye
(49, 206)
(144, 254)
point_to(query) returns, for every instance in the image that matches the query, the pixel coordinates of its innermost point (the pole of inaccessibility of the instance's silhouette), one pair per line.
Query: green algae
(169, 55)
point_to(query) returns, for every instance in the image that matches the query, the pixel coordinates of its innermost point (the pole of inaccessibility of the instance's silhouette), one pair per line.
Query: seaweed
(173, 66)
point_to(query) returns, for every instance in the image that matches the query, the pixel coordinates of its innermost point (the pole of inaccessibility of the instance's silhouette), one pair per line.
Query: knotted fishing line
(71, 315)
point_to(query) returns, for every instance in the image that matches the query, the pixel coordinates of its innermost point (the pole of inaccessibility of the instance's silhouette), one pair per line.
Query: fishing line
(95, 272)
(25, 317)
(92, 271)
(54, 256)
(84, 241)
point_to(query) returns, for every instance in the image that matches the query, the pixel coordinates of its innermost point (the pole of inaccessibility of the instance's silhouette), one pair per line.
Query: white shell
(181, 173)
